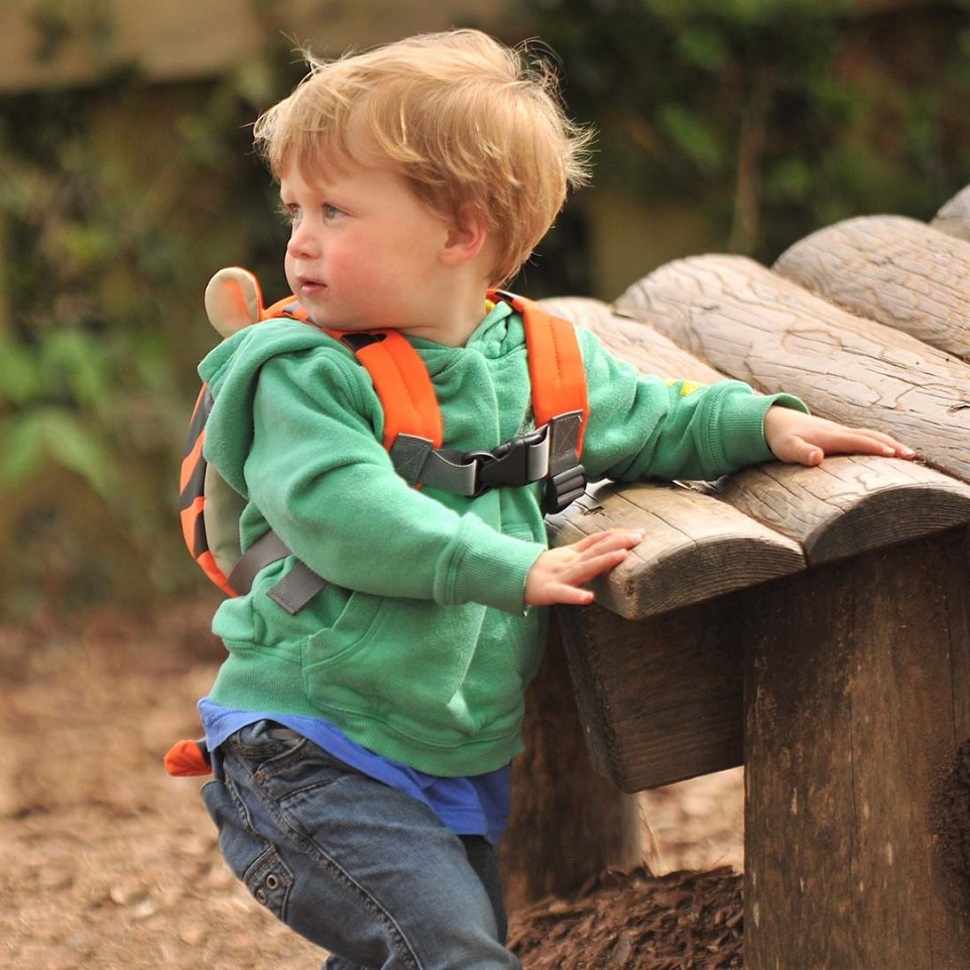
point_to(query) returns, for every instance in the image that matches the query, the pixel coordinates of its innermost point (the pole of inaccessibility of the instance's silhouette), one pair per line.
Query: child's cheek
(289, 270)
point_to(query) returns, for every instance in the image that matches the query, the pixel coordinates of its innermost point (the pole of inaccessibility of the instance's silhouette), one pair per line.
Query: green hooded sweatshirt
(420, 647)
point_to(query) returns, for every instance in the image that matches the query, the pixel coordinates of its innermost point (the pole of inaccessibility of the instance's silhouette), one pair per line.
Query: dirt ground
(108, 863)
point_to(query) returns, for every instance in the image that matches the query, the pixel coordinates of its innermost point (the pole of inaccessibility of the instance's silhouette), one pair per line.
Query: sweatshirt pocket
(351, 629)
(402, 660)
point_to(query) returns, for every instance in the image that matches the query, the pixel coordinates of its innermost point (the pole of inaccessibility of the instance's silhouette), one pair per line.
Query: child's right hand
(559, 575)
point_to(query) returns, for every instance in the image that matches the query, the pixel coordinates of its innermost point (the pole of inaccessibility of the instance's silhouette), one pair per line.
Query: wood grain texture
(851, 730)
(659, 699)
(756, 326)
(812, 623)
(849, 504)
(696, 547)
(895, 270)
(954, 217)
(656, 664)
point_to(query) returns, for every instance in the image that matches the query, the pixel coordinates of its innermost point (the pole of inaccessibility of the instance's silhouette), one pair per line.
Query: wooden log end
(888, 518)
(707, 567)
(850, 505)
(696, 547)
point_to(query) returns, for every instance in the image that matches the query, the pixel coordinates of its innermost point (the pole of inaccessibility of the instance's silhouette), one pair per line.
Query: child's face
(364, 252)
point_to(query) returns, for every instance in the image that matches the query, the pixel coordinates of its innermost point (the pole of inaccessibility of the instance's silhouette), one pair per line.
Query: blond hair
(465, 120)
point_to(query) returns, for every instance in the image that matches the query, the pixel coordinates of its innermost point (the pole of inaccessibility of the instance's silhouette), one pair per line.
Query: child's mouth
(311, 288)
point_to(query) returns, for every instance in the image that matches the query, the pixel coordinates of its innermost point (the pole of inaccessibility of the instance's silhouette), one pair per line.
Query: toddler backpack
(413, 435)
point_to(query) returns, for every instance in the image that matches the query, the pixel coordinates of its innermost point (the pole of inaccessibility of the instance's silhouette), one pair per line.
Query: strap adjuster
(293, 591)
(563, 489)
(519, 461)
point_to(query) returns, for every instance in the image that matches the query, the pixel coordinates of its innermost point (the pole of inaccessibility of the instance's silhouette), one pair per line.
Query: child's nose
(303, 243)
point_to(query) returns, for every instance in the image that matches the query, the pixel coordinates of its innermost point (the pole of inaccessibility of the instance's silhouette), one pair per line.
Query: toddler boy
(361, 745)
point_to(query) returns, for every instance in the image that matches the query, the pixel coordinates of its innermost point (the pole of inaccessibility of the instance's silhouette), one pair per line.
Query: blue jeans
(362, 870)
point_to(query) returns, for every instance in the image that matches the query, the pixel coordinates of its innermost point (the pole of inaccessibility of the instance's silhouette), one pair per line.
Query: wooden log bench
(812, 624)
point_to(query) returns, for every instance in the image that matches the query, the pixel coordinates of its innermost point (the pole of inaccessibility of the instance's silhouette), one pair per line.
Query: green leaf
(692, 134)
(20, 381)
(31, 439)
(75, 362)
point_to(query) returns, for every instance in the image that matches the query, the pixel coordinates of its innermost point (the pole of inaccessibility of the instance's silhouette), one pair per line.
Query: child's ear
(465, 239)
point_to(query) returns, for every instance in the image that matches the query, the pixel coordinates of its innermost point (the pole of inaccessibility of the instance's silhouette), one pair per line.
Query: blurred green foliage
(117, 204)
(118, 201)
(776, 117)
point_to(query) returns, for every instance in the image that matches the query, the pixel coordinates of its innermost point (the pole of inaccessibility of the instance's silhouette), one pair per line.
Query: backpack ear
(233, 300)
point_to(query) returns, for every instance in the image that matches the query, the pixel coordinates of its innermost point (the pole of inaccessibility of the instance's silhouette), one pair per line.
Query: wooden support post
(857, 697)
(660, 698)
(568, 823)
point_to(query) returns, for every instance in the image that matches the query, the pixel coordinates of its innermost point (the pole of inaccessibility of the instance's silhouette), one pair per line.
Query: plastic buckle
(563, 489)
(519, 461)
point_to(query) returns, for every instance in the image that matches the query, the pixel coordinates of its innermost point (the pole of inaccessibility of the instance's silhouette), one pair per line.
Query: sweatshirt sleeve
(316, 472)
(643, 427)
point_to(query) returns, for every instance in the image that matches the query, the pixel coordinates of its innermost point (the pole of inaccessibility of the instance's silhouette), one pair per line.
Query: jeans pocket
(253, 859)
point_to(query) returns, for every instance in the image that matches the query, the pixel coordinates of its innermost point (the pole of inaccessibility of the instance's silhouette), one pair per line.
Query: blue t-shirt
(477, 805)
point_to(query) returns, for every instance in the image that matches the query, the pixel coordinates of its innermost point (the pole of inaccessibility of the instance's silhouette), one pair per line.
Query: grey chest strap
(548, 453)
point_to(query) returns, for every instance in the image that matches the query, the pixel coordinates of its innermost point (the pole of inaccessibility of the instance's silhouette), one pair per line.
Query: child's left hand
(804, 439)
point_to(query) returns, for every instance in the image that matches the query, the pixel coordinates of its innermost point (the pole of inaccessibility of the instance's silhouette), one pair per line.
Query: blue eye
(331, 211)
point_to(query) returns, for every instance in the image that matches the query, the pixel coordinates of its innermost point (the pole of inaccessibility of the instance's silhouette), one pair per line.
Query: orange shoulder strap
(400, 378)
(555, 362)
(403, 385)
(289, 306)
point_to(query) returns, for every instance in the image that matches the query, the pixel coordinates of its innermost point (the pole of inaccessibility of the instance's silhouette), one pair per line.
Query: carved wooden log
(891, 269)
(954, 217)
(656, 663)
(849, 505)
(696, 547)
(754, 325)
(856, 684)
(812, 623)
(660, 699)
